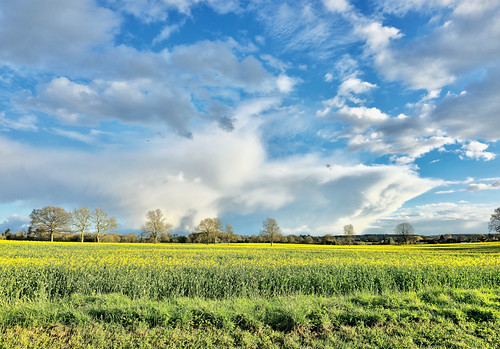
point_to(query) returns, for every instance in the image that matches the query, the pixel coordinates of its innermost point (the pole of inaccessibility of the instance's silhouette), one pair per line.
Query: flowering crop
(41, 269)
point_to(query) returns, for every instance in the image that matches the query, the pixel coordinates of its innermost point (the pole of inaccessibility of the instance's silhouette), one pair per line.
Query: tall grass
(431, 318)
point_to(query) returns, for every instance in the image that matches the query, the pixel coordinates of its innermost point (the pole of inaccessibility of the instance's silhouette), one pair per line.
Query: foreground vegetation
(129, 295)
(435, 317)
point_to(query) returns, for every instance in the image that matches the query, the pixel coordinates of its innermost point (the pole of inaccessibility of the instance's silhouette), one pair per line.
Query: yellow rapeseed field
(77, 255)
(224, 270)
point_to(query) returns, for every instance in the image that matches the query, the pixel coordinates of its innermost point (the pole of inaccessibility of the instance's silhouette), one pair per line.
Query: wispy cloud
(24, 123)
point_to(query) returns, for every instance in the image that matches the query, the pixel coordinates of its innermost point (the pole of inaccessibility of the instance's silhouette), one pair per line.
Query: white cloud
(476, 150)
(432, 94)
(477, 187)
(378, 37)
(354, 85)
(362, 115)
(285, 83)
(446, 191)
(337, 5)
(349, 90)
(407, 138)
(464, 39)
(483, 186)
(166, 88)
(138, 102)
(166, 32)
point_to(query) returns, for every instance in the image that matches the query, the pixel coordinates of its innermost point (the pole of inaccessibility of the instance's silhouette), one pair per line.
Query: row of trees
(404, 231)
(49, 221)
(210, 231)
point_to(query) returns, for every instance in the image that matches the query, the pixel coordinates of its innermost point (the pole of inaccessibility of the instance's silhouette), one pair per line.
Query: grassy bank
(432, 318)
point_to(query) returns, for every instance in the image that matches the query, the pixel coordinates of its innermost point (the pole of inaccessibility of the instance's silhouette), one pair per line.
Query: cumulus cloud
(348, 91)
(215, 174)
(138, 102)
(166, 88)
(407, 138)
(96, 80)
(362, 115)
(86, 78)
(464, 39)
(483, 186)
(38, 32)
(473, 114)
(354, 85)
(378, 37)
(476, 150)
(457, 44)
(285, 83)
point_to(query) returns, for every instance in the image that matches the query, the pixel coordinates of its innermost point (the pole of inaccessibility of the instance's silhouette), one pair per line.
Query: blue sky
(315, 113)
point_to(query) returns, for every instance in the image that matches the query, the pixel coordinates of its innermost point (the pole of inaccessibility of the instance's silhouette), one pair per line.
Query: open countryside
(249, 295)
(249, 174)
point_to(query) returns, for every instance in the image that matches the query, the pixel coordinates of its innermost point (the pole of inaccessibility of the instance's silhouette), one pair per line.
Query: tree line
(54, 223)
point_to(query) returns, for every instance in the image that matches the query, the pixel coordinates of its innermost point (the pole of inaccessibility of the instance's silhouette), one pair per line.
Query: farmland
(248, 295)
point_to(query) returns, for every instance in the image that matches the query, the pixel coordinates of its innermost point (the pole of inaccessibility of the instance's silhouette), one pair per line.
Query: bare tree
(103, 224)
(209, 229)
(494, 224)
(229, 233)
(405, 230)
(156, 224)
(51, 220)
(270, 229)
(81, 221)
(349, 233)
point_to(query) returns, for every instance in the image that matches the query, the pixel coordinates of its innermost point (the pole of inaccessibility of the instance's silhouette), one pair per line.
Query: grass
(431, 318)
(248, 296)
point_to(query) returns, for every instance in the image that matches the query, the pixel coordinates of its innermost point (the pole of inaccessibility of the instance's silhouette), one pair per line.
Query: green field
(248, 295)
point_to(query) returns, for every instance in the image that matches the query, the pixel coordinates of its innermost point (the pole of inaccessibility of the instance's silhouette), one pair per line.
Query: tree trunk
(82, 237)
(51, 237)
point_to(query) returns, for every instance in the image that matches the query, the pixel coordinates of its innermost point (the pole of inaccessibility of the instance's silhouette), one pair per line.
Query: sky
(316, 113)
